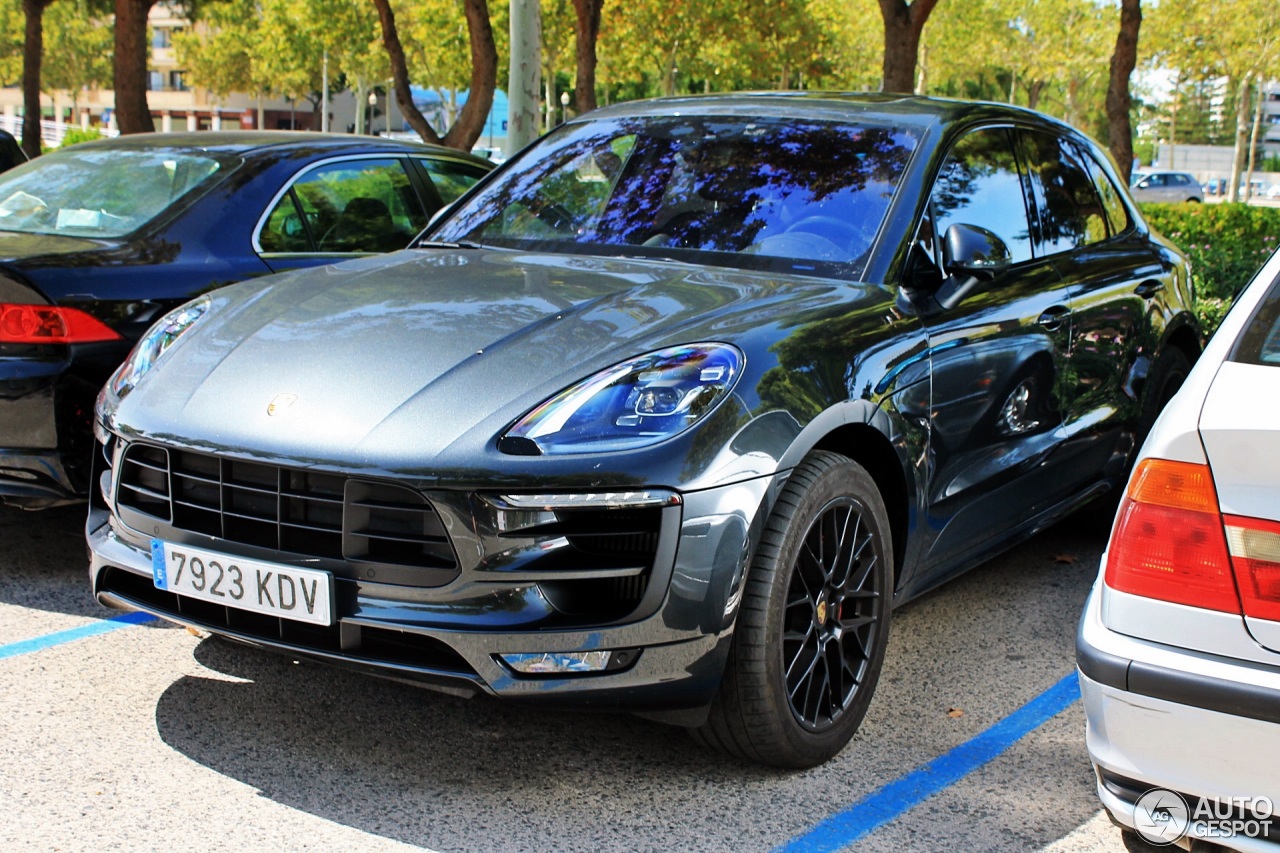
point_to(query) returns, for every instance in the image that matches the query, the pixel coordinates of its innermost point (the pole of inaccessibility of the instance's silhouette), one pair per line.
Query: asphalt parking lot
(122, 736)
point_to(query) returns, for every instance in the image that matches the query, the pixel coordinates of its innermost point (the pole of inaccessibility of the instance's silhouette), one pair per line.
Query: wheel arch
(871, 449)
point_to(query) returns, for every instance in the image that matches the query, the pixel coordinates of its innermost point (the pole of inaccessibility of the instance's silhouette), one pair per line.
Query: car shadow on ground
(420, 767)
(45, 563)
(426, 768)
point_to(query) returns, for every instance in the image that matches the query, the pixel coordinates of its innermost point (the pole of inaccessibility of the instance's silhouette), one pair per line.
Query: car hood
(388, 362)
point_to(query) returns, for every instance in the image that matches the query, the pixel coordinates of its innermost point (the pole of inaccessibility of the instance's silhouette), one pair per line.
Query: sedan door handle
(1149, 288)
(1053, 316)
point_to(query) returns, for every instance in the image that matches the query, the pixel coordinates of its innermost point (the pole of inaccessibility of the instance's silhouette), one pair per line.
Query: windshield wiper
(445, 244)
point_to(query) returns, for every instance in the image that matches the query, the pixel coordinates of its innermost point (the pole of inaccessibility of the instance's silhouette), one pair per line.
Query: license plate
(304, 595)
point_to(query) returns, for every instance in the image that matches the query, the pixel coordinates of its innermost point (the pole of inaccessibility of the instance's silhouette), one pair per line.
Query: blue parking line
(901, 795)
(93, 629)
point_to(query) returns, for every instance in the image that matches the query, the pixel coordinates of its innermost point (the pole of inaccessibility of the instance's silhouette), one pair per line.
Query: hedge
(1226, 244)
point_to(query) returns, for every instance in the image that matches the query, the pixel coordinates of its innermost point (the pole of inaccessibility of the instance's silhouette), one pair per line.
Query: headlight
(639, 402)
(155, 343)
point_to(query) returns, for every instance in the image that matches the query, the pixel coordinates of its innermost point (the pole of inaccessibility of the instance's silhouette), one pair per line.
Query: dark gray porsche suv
(664, 416)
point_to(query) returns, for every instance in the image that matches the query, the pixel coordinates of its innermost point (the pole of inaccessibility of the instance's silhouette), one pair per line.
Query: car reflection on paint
(666, 416)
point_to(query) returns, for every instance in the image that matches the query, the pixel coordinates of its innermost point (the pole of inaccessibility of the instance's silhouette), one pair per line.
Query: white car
(1179, 645)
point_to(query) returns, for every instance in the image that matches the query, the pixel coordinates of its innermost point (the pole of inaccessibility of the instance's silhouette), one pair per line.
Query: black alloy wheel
(831, 615)
(810, 639)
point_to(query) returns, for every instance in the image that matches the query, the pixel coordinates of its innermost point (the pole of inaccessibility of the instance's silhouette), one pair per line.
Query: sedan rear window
(98, 192)
(764, 193)
(1260, 341)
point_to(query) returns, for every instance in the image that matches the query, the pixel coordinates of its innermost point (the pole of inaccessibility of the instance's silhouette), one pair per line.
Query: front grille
(284, 509)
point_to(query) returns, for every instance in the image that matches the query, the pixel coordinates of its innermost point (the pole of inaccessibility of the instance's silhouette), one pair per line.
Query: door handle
(1149, 288)
(1053, 317)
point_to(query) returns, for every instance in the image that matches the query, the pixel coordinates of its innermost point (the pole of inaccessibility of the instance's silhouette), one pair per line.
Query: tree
(484, 76)
(586, 32)
(133, 115)
(1119, 102)
(32, 53)
(903, 24)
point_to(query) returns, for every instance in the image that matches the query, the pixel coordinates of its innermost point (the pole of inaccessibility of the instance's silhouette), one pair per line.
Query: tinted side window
(1069, 210)
(451, 179)
(349, 206)
(1112, 204)
(979, 185)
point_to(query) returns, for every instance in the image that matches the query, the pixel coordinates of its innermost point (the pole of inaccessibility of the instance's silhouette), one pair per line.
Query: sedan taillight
(50, 324)
(1255, 553)
(1168, 541)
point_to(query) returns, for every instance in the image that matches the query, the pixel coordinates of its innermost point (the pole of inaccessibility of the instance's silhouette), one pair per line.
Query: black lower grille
(362, 643)
(285, 509)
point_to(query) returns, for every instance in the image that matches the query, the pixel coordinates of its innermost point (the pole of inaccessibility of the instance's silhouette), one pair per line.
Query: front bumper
(1205, 727)
(675, 651)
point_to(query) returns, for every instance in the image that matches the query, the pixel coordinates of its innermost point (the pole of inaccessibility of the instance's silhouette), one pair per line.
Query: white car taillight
(1172, 543)
(1168, 541)
(1255, 554)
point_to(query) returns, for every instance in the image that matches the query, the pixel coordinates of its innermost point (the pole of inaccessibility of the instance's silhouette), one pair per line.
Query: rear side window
(1070, 213)
(1112, 204)
(1260, 343)
(451, 179)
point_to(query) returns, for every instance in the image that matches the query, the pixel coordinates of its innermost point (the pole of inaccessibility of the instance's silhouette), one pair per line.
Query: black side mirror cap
(969, 250)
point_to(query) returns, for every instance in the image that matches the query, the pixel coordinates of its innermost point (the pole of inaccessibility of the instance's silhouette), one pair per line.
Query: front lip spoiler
(1197, 691)
(453, 683)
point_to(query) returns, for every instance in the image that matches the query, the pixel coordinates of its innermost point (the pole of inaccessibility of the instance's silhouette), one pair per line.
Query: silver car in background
(1179, 644)
(1172, 187)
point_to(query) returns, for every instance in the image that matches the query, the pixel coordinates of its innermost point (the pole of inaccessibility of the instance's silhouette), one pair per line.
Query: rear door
(1113, 280)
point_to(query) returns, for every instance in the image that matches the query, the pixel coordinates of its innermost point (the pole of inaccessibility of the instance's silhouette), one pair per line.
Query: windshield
(800, 195)
(98, 192)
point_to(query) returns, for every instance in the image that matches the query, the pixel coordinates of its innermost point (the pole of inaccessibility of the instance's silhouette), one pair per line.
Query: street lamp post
(373, 105)
(564, 107)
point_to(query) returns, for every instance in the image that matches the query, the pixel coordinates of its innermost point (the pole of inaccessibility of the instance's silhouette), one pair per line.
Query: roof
(247, 141)
(907, 110)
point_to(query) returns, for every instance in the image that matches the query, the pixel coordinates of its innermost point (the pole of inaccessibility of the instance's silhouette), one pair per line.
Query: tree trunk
(32, 54)
(1123, 61)
(1034, 91)
(484, 78)
(524, 74)
(1253, 141)
(1242, 131)
(132, 113)
(586, 28)
(903, 25)
(400, 74)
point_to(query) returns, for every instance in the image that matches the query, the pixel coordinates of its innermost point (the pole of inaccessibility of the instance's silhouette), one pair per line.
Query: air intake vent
(287, 509)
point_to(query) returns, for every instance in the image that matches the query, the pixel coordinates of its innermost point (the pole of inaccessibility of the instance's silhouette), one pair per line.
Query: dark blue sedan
(100, 239)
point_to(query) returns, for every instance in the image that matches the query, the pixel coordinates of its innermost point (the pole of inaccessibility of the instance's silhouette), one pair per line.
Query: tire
(802, 667)
(1167, 376)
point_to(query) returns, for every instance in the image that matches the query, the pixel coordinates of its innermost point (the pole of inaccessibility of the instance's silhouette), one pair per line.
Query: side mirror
(974, 251)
